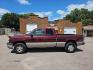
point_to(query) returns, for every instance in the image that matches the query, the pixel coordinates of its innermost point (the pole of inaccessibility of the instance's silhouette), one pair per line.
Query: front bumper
(80, 43)
(10, 45)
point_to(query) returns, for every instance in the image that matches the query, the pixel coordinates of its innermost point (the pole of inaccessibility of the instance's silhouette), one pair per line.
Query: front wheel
(20, 48)
(70, 47)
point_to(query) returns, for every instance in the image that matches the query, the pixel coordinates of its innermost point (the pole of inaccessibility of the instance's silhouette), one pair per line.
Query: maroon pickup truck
(43, 38)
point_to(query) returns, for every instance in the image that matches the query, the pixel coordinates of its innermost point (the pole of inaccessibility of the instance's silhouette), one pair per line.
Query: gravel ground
(47, 59)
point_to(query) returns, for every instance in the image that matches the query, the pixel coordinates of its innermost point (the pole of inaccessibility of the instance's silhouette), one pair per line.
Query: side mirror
(31, 35)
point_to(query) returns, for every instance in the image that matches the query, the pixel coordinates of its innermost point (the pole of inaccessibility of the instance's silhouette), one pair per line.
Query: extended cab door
(50, 37)
(43, 38)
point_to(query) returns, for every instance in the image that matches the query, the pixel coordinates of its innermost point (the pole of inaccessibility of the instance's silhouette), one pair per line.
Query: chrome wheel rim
(71, 48)
(19, 48)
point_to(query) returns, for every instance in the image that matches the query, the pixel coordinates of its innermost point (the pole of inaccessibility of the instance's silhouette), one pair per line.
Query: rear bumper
(10, 45)
(80, 43)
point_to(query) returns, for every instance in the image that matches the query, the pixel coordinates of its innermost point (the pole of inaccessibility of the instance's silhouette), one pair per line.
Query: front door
(41, 39)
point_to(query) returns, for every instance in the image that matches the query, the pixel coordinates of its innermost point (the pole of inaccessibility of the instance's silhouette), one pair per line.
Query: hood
(18, 36)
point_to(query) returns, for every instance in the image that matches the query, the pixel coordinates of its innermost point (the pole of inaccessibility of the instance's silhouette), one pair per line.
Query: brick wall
(66, 23)
(43, 23)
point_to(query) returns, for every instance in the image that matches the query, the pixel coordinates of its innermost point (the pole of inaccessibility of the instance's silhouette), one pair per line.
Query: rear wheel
(20, 48)
(70, 47)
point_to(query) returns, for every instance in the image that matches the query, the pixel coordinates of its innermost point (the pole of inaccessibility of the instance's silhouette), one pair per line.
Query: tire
(20, 48)
(70, 47)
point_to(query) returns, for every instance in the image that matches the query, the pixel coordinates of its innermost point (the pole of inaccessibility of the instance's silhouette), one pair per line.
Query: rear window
(49, 32)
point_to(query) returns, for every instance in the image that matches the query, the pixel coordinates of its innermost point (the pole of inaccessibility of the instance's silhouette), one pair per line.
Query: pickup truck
(43, 38)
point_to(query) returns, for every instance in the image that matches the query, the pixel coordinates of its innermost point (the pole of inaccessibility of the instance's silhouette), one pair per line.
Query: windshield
(29, 33)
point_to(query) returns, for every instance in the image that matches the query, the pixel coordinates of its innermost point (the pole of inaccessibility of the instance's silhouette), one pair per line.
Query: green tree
(0, 24)
(26, 15)
(85, 21)
(74, 16)
(10, 20)
(91, 17)
(83, 15)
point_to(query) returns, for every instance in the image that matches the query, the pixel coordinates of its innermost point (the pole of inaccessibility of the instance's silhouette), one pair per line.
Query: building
(32, 22)
(61, 26)
(88, 31)
(67, 27)
(4, 31)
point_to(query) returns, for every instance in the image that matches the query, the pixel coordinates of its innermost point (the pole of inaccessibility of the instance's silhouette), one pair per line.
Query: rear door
(50, 37)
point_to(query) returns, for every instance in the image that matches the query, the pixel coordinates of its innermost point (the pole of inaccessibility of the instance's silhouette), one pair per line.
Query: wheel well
(19, 42)
(72, 41)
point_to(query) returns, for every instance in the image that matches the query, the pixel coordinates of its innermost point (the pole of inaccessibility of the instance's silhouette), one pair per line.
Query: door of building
(69, 30)
(30, 27)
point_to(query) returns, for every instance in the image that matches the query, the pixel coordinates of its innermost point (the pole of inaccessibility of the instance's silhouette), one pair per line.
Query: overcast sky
(54, 9)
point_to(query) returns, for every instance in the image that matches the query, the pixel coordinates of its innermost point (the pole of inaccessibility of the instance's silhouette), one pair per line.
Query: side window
(49, 32)
(39, 32)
